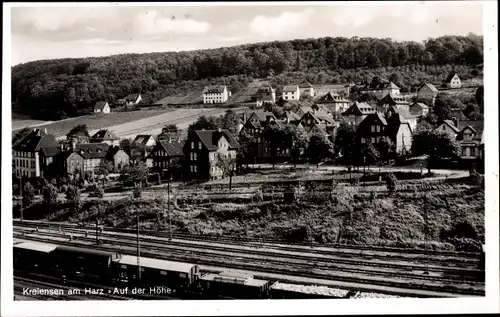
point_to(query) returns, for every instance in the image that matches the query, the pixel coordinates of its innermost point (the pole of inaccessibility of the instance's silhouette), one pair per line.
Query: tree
(28, 194)
(272, 135)
(436, 145)
(227, 164)
(247, 151)
(20, 135)
(104, 169)
(135, 173)
(49, 194)
(77, 133)
(345, 140)
(370, 154)
(205, 123)
(73, 197)
(169, 131)
(390, 181)
(230, 121)
(296, 140)
(394, 78)
(319, 148)
(298, 63)
(480, 98)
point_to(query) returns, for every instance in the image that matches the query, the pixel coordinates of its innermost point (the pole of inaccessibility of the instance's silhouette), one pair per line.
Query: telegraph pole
(21, 192)
(138, 244)
(426, 272)
(168, 208)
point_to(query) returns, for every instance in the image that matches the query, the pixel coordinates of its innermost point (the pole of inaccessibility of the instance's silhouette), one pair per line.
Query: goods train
(114, 269)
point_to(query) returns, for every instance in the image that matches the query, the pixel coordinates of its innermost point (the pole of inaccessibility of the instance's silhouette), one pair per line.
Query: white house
(306, 88)
(102, 106)
(453, 81)
(291, 92)
(133, 99)
(216, 94)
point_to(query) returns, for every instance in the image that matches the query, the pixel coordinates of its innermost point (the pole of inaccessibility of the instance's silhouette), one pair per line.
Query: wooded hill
(52, 89)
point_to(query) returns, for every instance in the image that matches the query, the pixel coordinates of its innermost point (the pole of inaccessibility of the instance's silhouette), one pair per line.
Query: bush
(390, 181)
(137, 194)
(95, 191)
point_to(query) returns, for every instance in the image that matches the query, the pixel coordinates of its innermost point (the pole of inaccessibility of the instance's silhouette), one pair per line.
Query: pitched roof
(210, 138)
(331, 97)
(290, 88)
(104, 134)
(100, 105)
(35, 141)
(476, 125)
(173, 148)
(450, 77)
(142, 138)
(216, 89)
(50, 151)
(406, 114)
(92, 150)
(430, 86)
(306, 109)
(381, 117)
(132, 97)
(292, 116)
(305, 84)
(112, 152)
(420, 104)
(359, 108)
(263, 115)
(452, 125)
(381, 85)
(393, 99)
(265, 88)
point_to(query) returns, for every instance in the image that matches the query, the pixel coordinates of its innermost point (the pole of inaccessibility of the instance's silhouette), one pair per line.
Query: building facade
(33, 154)
(453, 81)
(419, 109)
(216, 94)
(203, 149)
(306, 89)
(291, 92)
(102, 107)
(357, 113)
(427, 92)
(167, 158)
(105, 136)
(334, 102)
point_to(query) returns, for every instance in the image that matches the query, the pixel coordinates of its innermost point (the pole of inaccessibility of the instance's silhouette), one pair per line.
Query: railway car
(279, 290)
(178, 276)
(33, 257)
(84, 264)
(233, 285)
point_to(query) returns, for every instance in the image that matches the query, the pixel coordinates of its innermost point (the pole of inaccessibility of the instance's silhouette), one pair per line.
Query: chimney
(455, 121)
(73, 145)
(62, 147)
(219, 130)
(169, 140)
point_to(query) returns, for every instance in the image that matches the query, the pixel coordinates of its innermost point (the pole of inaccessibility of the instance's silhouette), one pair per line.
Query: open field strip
(153, 125)
(19, 124)
(367, 274)
(98, 120)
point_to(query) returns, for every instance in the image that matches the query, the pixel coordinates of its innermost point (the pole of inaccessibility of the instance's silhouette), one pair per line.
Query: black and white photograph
(207, 154)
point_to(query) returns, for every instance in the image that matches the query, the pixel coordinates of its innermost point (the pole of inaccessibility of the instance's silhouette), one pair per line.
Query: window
(196, 168)
(199, 145)
(363, 140)
(444, 128)
(192, 145)
(378, 128)
(373, 128)
(195, 156)
(373, 139)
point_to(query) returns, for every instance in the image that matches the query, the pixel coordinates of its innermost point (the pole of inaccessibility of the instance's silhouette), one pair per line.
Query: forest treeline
(52, 89)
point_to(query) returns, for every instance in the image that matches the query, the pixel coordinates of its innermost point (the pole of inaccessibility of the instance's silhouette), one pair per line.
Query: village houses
(203, 149)
(102, 107)
(468, 134)
(306, 89)
(357, 113)
(391, 127)
(380, 89)
(334, 102)
(453, 81)
(419, 109)
(33, 154)
(427, 92)
(291, 92)
(167, 158)
(105, 136)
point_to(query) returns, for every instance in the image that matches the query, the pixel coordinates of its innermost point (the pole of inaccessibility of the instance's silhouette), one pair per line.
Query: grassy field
(196, 97)
(129, 124)
(18, 124)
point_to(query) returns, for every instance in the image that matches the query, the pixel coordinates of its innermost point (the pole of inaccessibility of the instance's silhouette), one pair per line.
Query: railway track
(359, 259)
(294, 265)
(260, 242)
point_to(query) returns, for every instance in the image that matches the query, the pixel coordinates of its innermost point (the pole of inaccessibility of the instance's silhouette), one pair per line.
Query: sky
(62, 31)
